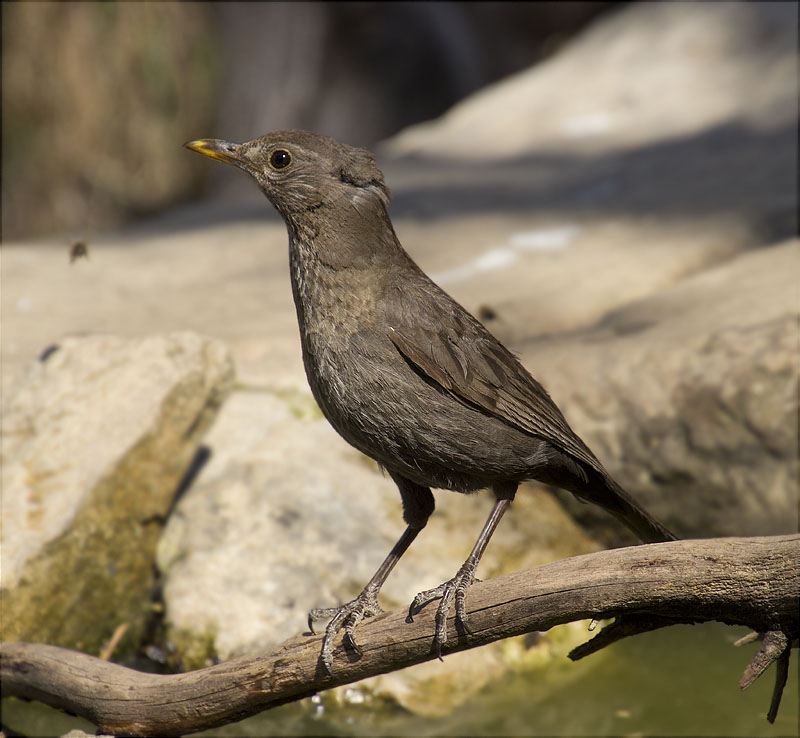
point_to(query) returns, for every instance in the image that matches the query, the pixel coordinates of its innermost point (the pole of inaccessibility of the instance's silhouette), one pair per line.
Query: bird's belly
(410, 425)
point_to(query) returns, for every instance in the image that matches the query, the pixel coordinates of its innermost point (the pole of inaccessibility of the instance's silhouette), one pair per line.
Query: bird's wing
(470, 364)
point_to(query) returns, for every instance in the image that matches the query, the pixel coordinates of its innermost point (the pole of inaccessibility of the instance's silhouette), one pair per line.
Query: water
(680, 681)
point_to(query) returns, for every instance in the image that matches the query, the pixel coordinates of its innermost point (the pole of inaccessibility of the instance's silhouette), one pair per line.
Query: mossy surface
(100, 573)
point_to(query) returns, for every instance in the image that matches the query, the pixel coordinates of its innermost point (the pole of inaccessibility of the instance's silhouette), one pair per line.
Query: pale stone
(96, 438)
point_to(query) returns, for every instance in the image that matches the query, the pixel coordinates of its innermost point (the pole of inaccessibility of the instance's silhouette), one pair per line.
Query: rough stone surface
(96, 437)
(693, 398)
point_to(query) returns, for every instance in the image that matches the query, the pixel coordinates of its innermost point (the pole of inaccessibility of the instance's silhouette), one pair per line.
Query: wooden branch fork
(740, 581)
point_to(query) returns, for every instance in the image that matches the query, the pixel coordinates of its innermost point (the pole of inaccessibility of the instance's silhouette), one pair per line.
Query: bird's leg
(365, 605)
(456, 588)
(418, 505)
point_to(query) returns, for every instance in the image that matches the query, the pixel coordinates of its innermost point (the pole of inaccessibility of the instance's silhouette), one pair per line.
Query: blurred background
(610, 187)
(98, 96)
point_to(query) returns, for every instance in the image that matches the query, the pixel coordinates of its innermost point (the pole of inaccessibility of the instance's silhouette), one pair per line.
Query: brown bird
(402, 371)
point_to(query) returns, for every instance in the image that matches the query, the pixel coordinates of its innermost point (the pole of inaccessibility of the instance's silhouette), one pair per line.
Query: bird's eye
(280, 159)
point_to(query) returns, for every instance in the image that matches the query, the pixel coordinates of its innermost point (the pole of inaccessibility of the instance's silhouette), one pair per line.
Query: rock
(643, 74)
(96, 438)
(549, 226)
(223, 279)
(690, 397)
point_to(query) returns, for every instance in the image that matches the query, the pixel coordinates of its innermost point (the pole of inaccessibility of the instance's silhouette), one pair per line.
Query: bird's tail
(623, 507)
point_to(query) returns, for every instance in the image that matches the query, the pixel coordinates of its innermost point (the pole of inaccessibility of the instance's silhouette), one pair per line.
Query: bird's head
(301, 172)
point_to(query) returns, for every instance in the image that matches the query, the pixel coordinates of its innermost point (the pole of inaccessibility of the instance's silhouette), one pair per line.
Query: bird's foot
(346, 616)
(453, 589)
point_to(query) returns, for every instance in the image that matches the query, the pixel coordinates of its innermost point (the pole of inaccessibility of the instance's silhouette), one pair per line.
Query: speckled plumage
(400, 369)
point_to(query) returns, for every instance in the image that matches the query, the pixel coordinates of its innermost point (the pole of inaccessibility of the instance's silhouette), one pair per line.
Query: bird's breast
(338, 333)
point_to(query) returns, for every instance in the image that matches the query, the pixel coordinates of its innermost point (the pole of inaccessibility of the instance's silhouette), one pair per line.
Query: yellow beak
(220, 150)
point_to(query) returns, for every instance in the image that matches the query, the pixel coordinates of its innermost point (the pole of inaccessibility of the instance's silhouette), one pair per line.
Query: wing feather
(470, 364)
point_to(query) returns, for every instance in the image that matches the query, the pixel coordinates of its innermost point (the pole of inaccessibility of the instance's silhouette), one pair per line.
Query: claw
(348, 616)
(461, 609)
(423, 598)
(350, 639)
(455, 588)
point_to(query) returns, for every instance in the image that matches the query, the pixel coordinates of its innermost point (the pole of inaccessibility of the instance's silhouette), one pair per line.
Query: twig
(781, 675)
(775, 646)
(113, 642)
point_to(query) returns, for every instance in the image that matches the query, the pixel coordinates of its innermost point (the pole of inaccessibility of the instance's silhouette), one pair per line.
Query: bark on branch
(740, 581)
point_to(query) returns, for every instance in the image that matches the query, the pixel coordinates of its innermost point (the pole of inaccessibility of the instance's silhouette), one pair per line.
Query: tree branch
(740, 581)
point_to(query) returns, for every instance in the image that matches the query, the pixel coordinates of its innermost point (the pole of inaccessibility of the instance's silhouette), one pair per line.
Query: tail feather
(594, 484)
(623, 507)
